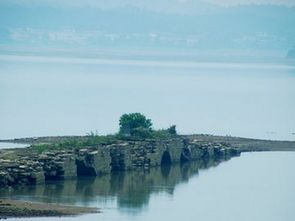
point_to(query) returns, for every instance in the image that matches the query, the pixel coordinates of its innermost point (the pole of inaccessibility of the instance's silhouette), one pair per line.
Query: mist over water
(217, 67)
(43, 96)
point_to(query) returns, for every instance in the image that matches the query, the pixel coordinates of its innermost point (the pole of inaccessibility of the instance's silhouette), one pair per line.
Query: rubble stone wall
(104, 159)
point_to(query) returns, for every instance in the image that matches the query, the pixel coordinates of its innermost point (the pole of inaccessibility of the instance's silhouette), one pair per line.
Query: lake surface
(255, 186)
(42, 96)
(4, 145)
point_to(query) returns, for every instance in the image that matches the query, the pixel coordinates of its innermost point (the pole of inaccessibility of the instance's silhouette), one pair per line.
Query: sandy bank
(16, 208)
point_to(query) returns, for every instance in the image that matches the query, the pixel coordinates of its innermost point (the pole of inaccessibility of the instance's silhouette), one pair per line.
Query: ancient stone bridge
(104, 159)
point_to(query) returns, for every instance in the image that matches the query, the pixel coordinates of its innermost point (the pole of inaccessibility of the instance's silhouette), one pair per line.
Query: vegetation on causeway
(133, 126)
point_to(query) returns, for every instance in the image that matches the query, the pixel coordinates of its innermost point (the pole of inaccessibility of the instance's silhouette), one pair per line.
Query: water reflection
(130, 190)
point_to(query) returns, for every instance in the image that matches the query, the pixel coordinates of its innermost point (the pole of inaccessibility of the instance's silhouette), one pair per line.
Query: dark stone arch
(166, 158)
(83, 170)
(185, 155)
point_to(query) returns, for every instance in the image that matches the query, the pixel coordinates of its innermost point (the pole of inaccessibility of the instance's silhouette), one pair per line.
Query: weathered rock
(94, 162)
(120, 156)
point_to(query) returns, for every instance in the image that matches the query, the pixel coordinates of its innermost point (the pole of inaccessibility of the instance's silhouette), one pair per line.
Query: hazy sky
(236, 2)
(146, 3)
(184, 7)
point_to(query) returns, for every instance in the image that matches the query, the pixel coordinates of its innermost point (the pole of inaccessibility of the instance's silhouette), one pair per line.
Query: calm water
(4, 145)
(41, 96)
(255, 186)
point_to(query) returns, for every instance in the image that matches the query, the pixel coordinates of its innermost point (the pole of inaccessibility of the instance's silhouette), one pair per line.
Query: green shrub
(134, 125)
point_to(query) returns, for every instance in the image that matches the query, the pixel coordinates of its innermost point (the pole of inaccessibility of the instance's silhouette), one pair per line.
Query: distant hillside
(240, 27)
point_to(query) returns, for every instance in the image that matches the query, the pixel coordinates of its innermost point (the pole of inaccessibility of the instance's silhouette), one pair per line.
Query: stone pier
(105, 159)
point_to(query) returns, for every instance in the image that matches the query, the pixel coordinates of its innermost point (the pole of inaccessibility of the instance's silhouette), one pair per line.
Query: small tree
(172, 130)
(135, 124)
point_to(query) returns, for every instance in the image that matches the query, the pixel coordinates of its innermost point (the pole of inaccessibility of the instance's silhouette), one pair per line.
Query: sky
(237, 2)
(183, 7)
(146, 3)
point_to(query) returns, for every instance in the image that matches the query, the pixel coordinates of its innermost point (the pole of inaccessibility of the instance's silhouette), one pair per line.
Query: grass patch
(92, 139)
(75, 142)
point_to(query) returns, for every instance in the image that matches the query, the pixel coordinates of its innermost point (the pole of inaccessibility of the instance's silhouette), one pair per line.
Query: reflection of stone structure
(132, 189)
(104, 159)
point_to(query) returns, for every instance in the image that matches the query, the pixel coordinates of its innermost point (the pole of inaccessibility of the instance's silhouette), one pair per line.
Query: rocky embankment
(27, 167)
(246, 144)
